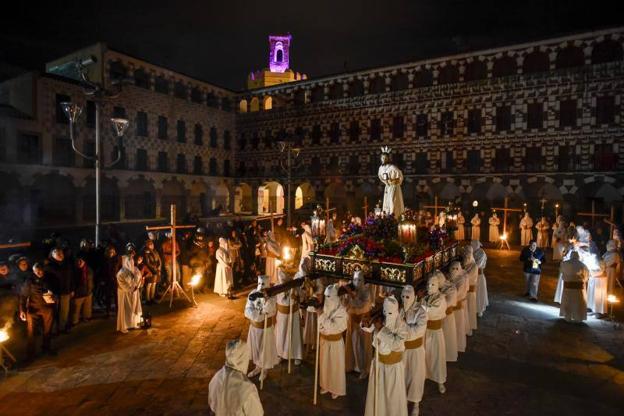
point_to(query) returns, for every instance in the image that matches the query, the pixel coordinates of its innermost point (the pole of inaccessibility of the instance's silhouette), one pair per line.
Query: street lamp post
(292, 153)
(120, 125)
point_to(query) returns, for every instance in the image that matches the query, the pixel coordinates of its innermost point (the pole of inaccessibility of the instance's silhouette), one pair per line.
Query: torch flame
(286, 254)
(4, 335)
(612, 299)
(195, 280)
(503, 237)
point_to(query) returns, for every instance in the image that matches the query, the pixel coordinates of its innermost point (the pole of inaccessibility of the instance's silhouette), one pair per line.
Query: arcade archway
(271, 198)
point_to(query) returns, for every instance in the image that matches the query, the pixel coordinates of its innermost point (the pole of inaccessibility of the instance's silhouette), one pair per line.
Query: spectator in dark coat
(62, 279)
(108, 277)
(533, 259)
(82, 302)
(37, 305)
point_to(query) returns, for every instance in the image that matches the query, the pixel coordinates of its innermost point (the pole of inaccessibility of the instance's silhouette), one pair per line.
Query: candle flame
(612, 299)
(4, 335)
(286, 253)
(503, 237)
(195, 279)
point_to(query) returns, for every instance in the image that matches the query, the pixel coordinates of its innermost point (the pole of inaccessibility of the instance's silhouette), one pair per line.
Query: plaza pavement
(522, 360)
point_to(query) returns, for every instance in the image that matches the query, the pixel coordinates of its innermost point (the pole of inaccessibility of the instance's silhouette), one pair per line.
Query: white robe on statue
(542, 233)
(128, 295)
(281, 327)
(435, 347)
(224, 277)
(482, 292)
(389, 342)
(597, 290)
(558, 240)
(256, 311)
(332, 323)
(458, 277)
(476, 227)
(461, 227)
(574, 299)
(494, 222)
(230, 392)
(392, 177)
(526, 232)
(415, 317)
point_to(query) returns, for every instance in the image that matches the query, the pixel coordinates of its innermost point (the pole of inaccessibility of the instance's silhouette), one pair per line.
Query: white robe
(330, 232)
(129, 309)
(573, 301)
(231, 393)
(391, 393)
(281, 335)
(414, 358)
(256, 311)
(392, 177)
(597, 291)
(482, 292)
(461, 285)
(494, 234)
(542, 233)
(476, 228)
(461, 228)
(224, 277)
(273, 252)
(435, 348)
(472, 273)
(358, 342)
(332, 376)
(558, 241)
(448, 325)
(526, 234)
(613, 264)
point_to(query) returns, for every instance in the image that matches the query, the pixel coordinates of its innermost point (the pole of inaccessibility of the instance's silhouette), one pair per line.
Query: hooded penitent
(263, 282)
(304, 268)
(455, 270)
(332, 301)
(391, 312)
(237, 355)
(358, 278)
(282, 276)
(475, 244)
(468, 257)
(408, 296)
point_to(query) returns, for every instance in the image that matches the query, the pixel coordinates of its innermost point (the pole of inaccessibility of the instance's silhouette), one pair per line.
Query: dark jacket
(31, 296)
(525, 257)
(108, 272)
(61, 276)
(84, 282)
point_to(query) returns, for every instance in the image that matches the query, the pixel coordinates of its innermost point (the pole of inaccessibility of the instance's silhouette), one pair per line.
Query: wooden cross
(365, 207)
(272, 216)
(172, 227)
(14, 245)
(505, 210)
(593, 214)
(435, 207)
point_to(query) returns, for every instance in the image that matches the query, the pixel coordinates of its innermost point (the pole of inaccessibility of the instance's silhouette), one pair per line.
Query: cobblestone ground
(521, 361)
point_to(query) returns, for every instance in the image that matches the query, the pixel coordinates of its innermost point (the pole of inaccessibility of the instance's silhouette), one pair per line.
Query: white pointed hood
(237, 355)
(332, 301)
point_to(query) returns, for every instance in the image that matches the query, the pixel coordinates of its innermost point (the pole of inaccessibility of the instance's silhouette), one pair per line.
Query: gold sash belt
(392, 358)
(413, 344)
(260, 324)
(435, 324)
(285, 309)
(332, 337)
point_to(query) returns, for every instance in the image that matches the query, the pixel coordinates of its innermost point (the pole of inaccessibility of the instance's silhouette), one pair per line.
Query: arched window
(268, 103)
(570, 57)
(279, 56)
(254, 105)
(606, 51)
(448, 75)
(504, 67)
(475, 70)
(536, 61)
(243, 106)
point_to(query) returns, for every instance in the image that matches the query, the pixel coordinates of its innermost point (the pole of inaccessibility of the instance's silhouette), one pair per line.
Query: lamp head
(120, 125)
(72, 111)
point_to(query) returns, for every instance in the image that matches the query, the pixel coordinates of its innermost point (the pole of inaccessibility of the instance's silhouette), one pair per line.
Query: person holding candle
(533, 259)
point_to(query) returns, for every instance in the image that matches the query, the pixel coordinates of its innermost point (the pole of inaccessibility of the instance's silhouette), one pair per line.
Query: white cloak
(231, 393)
(526, 234)
(597, 292)
(613, 264)
(256, 311)
(448, 325)
(573, 301)
(472, 273)
(332, 376)
(494, 234)
(414, 358)
(129, 309)
(392, 177)
(281, 335)
(476, 228)
(461, 284)
(224, 278)
(435, 348)
(358, 342)
(542, 233)
(482, 292)
(558, 241)
(461, 228)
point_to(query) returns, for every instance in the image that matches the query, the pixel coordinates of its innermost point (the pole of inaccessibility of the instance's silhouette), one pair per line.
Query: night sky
(220, 42)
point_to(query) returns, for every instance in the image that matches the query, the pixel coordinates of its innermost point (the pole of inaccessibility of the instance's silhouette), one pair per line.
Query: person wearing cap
(82, 301)
(415, 316)
(386, 393)
(37, 305)
(230, 392)
(332, 323)
(263, 346)
(574, 295)
(481, 260)
(62, 276)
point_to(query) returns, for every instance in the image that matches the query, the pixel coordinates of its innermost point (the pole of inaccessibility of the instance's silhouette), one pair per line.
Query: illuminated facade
(279, 71)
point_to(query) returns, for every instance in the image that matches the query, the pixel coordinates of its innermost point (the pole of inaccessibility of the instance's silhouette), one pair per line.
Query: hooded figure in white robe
(494, 222)
(613, 264)
(307, 242)
(574, 297)
(392, 177)
(224, 277)
(448, 325)
(435, 347)
(330, 230)
(597, 286)
(476, 227)
(273, 253)
(332, 322)
(559, 288)
(558, 239)
(358, 342)
(458, 277)
(526, 229)
(129, 309)
(389, 342)
(482, 293)
(472, 273)
(542, 232)
(284, 300)
(460, 233)
(230, 392)
(414, 315)
(256, 311)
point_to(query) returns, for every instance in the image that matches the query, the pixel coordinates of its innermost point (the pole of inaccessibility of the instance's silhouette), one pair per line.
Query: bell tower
(278, 70)
(279, 52)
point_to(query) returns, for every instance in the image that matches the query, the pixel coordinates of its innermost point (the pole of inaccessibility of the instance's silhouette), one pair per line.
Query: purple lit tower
(279, 54)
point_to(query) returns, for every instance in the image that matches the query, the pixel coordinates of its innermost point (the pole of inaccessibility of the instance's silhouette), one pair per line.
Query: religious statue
(526, 234)
(494, 222)
(442, 219)
(542, 233)
(461, 221)
(558, 240)
(392, 177)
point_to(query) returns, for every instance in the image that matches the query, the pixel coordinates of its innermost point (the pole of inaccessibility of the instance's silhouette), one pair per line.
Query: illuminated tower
(279, 70)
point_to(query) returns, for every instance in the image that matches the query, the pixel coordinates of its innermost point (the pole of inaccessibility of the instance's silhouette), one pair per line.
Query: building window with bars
(198, 167)
(398, 127)
(605, 110)
(28, 149)
(181, 163)
(375, 129)
(447, 124)
(474, 121)
(162, 128)
(535, 116)
(213, 137)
